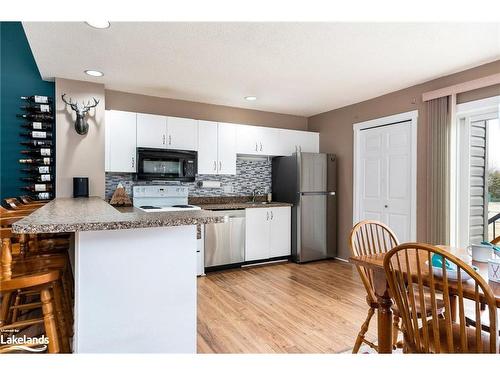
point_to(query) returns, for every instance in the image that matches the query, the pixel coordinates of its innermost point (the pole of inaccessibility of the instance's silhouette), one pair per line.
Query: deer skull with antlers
(81, 125)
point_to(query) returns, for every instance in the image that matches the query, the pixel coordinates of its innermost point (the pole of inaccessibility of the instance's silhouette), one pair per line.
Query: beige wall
(79, 155)
(336, 136)
(181, 108)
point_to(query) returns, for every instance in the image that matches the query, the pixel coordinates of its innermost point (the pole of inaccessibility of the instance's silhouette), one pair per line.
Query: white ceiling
(294, 68)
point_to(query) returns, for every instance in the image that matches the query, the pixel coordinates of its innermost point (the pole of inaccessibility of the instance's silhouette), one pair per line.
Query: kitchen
(208, 216)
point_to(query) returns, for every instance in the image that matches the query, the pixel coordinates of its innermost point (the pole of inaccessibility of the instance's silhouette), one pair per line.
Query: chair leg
(49, 321)
(395, 331)
(363, 330)
(60, 317)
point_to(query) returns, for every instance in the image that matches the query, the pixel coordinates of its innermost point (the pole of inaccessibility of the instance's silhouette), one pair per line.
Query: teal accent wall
(19, 77)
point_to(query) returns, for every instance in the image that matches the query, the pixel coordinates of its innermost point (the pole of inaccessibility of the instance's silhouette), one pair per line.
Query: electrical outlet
(228, 188)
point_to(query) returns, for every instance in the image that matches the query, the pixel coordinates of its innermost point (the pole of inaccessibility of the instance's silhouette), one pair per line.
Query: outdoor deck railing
(493, 220)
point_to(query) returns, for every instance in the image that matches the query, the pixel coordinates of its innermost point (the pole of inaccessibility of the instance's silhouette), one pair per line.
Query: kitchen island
(134, 272)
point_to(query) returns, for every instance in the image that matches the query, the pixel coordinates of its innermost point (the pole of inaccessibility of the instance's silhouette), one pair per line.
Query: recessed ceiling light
(250, 98)
(98, 24)
(94, 73)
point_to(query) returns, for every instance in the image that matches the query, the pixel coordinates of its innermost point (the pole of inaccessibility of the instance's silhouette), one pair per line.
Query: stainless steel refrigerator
(309, 181)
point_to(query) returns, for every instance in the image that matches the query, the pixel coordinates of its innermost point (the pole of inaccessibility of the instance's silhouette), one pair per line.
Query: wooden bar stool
(36, 259)
(15, 204)
(33, 282)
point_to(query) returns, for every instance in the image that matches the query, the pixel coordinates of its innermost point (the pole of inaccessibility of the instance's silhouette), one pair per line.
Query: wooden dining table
(375, 262)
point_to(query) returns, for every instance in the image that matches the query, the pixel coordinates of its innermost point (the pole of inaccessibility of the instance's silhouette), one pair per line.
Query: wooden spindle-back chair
(370, 237)
(412, 281)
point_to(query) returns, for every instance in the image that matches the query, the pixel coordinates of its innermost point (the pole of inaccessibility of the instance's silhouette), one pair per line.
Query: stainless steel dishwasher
(225, 242)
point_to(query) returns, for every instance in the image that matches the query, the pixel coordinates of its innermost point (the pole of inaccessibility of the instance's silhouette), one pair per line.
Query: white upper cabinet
(307, 141)
(247, 140)
(217, 148)
(257, 140)
(121, 141)
(207, 147)
(226, 148)
(151, 130)
(182, 133)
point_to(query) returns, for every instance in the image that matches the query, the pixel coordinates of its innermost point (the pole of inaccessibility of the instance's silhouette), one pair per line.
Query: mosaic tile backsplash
(250, 174)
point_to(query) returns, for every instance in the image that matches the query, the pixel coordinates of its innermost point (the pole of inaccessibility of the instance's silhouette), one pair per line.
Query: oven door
(157, 164)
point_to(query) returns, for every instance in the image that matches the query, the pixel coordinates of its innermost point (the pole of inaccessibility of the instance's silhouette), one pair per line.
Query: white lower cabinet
(120, 141)
(267, 233)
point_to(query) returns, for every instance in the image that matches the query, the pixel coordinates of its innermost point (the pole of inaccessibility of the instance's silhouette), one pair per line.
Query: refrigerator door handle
(318, 193)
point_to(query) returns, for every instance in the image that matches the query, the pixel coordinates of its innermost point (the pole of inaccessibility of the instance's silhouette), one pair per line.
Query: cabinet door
(280, 232)
(269, 141)
(309, 142)
(246, 140)
(182, 133)
(121, 133)
(226, 141)
(207, 147)
(257, 231)
(151, 131)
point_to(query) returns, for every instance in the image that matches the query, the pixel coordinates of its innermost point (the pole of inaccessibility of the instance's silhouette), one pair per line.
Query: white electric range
(168, 198)
(162, 198)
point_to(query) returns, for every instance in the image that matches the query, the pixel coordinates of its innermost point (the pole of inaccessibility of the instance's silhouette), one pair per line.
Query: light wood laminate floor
(316, 307)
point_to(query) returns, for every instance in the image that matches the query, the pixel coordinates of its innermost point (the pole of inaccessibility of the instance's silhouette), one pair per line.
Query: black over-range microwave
(170, 165)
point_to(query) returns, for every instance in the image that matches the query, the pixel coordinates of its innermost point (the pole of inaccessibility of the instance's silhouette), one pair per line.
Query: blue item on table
(496, 249)
(437, 261)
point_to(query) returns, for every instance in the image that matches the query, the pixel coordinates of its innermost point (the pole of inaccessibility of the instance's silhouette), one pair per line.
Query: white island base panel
(135, 290)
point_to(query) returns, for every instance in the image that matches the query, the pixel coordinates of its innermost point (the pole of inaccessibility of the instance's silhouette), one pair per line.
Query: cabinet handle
(267, 215)
(220, 165)
(272, 215)
(133, 162)
(260, 146)
(256, 147)
(215, 165)
(300, 148)
(163, 138)
(170, 139)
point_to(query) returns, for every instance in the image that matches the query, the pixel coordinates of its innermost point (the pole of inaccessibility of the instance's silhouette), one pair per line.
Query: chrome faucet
(254, 193)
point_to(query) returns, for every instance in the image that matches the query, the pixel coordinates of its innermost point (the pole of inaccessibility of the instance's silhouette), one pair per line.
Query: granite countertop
(239, 205)
(87, 214)
(234, 202)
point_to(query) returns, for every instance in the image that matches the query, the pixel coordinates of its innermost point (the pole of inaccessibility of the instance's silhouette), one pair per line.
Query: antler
(74, 106)
(88, 106)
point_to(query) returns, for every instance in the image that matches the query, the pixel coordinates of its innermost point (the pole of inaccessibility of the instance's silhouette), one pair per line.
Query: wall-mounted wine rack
(38, 161)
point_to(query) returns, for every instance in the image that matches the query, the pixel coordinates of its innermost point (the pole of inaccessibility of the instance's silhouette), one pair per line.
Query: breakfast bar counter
(91, 214)
(134, 272)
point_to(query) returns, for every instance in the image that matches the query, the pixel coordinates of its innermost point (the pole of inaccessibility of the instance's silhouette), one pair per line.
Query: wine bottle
(34, 108)
(38, 187)
(37, 125)
(40, 99)
(37, 116)
(38, 152)
(42, 196)
(39, 178)
(37, 143)
(44, 161)
(41, 169)
(37, 134)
